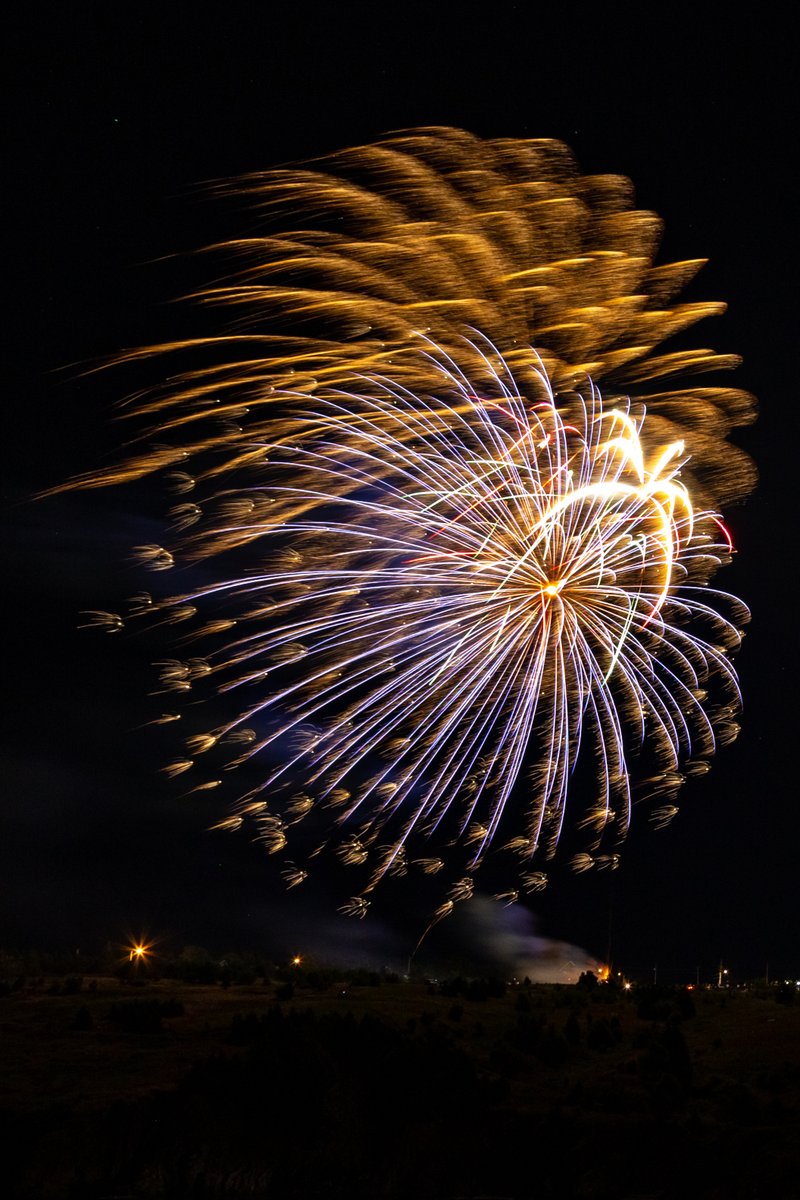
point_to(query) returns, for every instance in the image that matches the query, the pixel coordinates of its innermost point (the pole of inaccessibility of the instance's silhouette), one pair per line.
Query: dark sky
(112, 122)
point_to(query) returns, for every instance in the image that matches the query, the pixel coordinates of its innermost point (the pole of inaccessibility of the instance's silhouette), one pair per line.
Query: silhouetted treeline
(192, 964)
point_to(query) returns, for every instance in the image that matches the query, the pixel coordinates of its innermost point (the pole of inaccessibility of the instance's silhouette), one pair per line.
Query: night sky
(113, 125)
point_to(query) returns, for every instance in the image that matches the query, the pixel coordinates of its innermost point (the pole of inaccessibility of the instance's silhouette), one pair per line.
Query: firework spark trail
(436, 230)
(439, 230)
(462, 585)
(445, 566)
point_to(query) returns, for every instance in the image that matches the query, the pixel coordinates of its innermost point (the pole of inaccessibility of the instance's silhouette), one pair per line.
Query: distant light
(296, 960)
(627, 986)
(138, 952)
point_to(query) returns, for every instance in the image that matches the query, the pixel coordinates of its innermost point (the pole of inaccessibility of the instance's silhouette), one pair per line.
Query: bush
(572, 1031)
(82, 1019)
(599, 1036)
(144, 1016)
(552, 1049)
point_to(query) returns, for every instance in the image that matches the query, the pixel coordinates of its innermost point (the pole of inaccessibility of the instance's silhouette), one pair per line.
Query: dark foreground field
(400, 1090)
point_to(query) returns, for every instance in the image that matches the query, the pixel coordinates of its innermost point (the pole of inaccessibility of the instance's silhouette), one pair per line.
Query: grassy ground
(399, 1090)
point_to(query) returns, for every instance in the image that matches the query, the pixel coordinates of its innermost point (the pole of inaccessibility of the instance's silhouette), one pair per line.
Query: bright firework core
(451, 592)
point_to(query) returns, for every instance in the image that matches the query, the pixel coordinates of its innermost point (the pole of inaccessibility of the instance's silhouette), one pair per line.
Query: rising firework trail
(445, 568)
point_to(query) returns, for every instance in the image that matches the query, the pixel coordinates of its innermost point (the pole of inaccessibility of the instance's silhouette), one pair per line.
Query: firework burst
(454, 594)
(444, 569)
